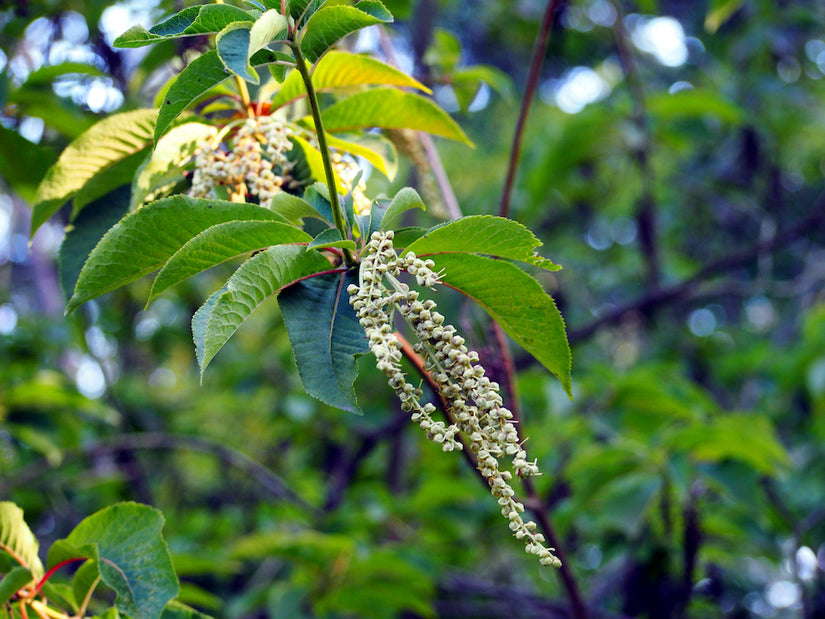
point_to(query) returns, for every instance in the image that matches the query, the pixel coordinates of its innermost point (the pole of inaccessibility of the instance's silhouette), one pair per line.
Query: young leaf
(131, 554)
(12, 582)
(260, 277)
(391, 109)
(326, 336)
(517, 302)
(220, 243)
(403, 201)
(315, 162)
(331, 237)
(86, 231)
(111, 140)
(163, 165)
(332, 23)
(143, 241)
(16, 535)
(484, 234)
(200, 321)
(195, 20)
(341, 70)
(294, 209)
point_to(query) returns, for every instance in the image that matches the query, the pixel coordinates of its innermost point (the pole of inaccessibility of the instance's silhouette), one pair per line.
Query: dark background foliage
(685, 204)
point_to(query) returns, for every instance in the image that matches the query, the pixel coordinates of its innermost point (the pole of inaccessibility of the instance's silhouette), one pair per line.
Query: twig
(646, 212)
(539, 52)
(658, 297)
(345, 472)
(159, 440)
(534, 502)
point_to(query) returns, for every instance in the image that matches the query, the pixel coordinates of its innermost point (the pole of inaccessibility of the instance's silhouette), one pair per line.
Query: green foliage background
(685, 477)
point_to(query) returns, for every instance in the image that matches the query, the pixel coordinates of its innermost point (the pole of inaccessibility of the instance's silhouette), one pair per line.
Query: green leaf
(466, 83)
(143, 241)
(238, 42)
(325, 335)
(294, 209)
(195, 20)
(391, 109)
(44, 76)
(233, 46)
(86, 231)
(105, 144)
(484, 234)
(332, 23)
(301, 10)
(405, 237)
(339, 69)
(201, 75)
(200, 321)
(220, 243)
(722, 439)
(84, 579)
(260, 277)
(233, 50)
(16, 535)
(331, 237)
(176, 610)
(403, 201)
(12, 582)
(162, 167)
(694, 103)
(514, 300)
(131, 554)
(117, 175)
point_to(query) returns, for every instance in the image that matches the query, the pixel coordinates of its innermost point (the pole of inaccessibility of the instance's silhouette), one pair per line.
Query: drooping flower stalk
(473, 401)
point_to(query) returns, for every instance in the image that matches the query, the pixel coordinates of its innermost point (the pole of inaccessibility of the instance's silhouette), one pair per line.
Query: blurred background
(673, 164)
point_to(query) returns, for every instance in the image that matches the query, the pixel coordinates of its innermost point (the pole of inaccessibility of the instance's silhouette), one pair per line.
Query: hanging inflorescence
(473, 401)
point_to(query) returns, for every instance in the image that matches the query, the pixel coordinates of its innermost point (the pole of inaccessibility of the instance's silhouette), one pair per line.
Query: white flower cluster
(473, 400)
(256, 165)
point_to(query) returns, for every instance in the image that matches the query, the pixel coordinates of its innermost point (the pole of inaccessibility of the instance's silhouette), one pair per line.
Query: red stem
(539, 51)
(51, 572)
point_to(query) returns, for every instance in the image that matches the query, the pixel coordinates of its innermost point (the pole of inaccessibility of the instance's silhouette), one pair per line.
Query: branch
(646, 213)
(539, 52)
(657, 298)
(344, 472)
(268, 480)
(534, 502)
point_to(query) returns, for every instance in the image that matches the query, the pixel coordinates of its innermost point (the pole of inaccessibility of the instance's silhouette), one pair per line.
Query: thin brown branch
(265, 478)
(536, 63)
(646, 208)
(658, 298)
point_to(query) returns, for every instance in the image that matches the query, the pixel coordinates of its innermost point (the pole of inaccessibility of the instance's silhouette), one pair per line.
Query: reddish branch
(536, 63)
